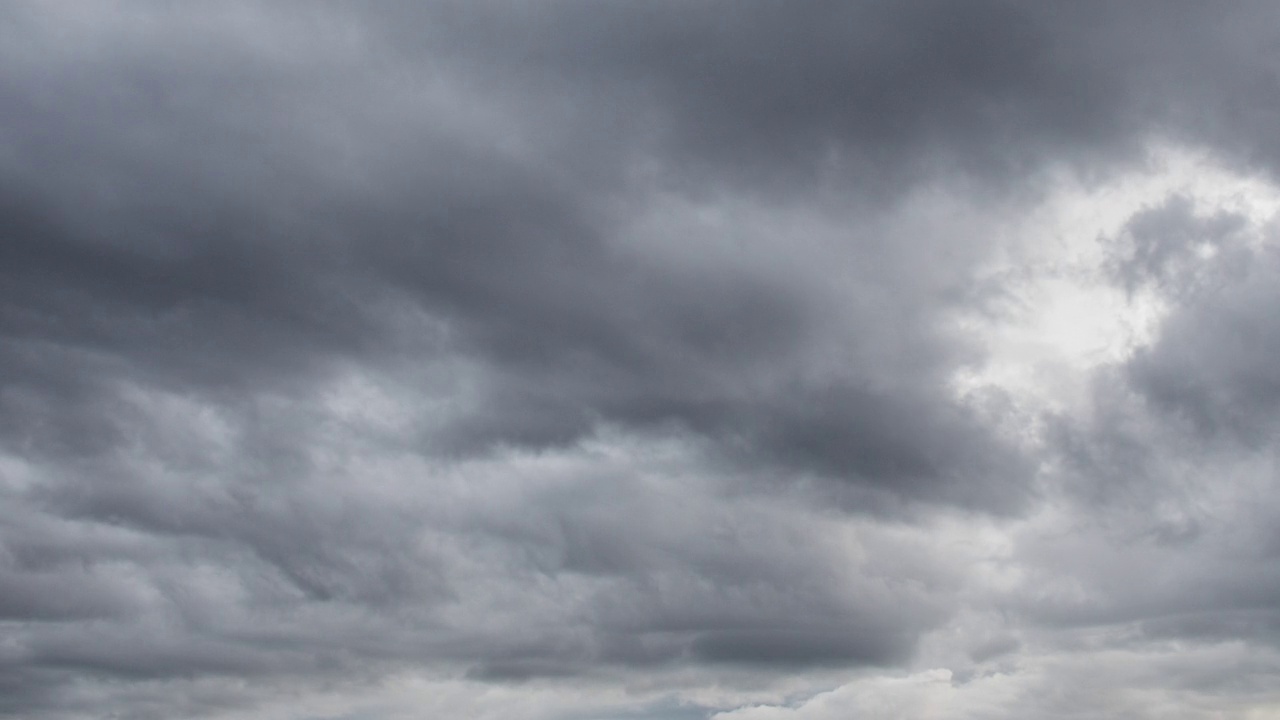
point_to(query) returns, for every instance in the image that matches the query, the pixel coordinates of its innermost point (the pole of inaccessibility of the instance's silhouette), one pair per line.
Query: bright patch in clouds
(1059, 313)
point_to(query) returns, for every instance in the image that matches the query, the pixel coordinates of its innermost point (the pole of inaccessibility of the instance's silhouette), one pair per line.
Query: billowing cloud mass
(669, 360)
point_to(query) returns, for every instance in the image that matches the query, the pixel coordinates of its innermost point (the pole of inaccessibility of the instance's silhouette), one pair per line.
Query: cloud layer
(638, 360)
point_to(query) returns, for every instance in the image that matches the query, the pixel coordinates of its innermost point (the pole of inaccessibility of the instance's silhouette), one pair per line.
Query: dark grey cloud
(571, 339)
(774, 95)
(1166, 246)
(761, 94)
(227, 287)
(1208, 366)
(1212, 365)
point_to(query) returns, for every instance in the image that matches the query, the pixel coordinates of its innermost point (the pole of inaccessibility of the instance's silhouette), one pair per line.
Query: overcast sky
(714, 360)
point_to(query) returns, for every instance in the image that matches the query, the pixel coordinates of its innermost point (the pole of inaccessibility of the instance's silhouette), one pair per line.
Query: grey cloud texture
(610, 345)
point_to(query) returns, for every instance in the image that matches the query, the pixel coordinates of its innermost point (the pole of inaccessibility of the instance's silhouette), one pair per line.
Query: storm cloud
(568, 359)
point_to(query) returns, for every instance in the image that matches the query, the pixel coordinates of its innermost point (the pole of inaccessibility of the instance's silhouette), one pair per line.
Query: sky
(714, 360)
